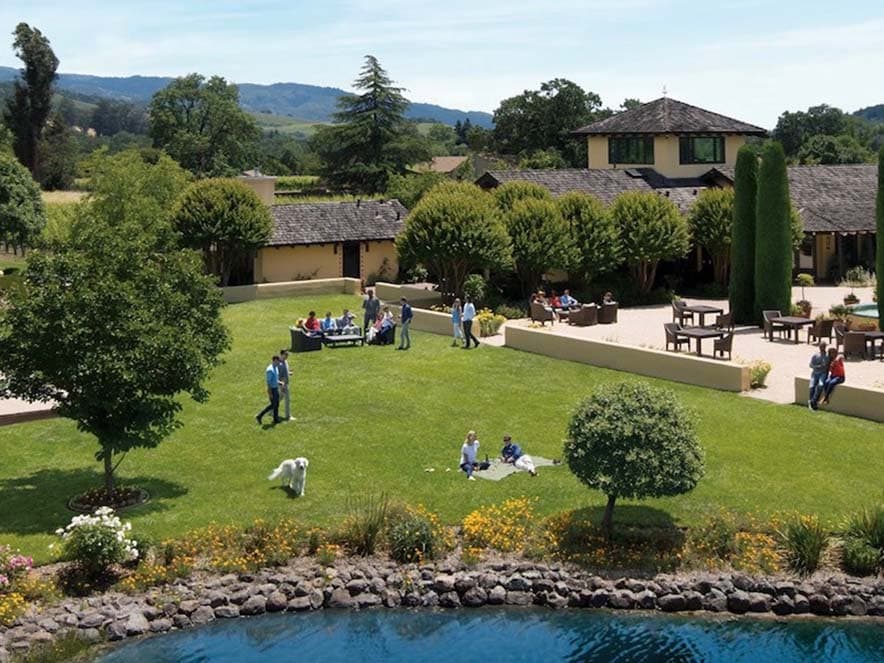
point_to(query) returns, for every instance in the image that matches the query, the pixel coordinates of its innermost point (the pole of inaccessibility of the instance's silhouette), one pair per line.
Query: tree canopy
(114, 323)
(594, 233)
(22, 215)
(200, 124)
(742, 279)
(827, 135)
(833, 150)
(453, 231)
(773, 234)
(710, 221)
(225, 220)
(540, 239)
(631, 440)
(371, 138)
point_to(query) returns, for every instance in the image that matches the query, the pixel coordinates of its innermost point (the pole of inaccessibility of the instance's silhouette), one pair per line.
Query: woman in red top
(311, 324)
(836, 374)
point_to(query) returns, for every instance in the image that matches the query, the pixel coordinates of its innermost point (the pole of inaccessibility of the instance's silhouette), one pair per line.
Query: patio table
(794, 323)
(703, 310)
(871, 337)
(699, 333)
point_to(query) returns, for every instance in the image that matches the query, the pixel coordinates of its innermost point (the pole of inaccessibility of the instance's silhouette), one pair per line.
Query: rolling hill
(309, 103)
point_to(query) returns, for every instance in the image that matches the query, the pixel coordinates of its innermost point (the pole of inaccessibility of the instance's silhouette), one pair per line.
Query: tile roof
(322, 223)
(605, 184)
(667, 116)
(832, 198)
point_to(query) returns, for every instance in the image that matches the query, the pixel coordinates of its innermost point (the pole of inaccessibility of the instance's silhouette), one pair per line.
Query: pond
(490, 635)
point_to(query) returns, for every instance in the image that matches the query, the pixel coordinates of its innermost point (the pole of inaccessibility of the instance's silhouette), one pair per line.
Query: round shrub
(475, 288)
(97, 542)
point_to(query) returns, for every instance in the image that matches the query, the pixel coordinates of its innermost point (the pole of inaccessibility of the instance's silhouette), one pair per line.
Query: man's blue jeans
(830, 385)
(405, 336)
(468, 468)
(817, 383)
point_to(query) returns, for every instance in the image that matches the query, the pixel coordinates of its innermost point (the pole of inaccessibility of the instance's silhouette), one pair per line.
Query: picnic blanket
(500, 470)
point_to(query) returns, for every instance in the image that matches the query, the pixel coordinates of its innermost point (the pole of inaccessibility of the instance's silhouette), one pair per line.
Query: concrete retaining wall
(642, 361)
(391, 292)
(852, 401)
(428, 321)
(247, 293)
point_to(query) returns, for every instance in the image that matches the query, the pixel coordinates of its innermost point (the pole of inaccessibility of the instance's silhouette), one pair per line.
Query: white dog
(293, 473)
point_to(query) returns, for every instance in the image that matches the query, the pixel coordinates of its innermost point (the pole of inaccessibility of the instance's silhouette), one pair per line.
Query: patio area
(643, 327)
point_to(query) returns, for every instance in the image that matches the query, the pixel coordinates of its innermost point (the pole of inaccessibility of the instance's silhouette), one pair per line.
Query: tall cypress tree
(742, 283)
(773, 234)
(879, 227)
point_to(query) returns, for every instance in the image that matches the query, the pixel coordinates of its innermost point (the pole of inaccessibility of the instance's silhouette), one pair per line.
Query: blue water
(865, 310)
(490, 635)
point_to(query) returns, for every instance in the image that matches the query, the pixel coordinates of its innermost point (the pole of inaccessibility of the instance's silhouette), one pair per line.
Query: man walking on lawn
(405, 316)
(469, 312)
(285, 383)
(271, 376)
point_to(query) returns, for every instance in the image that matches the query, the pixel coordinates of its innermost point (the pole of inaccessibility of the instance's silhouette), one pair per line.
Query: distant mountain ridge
(305, 102)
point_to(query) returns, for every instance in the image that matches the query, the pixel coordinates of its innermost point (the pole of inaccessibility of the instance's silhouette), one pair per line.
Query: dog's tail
(275, 474)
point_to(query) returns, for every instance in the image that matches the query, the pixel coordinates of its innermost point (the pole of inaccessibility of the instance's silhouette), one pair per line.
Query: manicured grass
(372, 419)
(8, 260)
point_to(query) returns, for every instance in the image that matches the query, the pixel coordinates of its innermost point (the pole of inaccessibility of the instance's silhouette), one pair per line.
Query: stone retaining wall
(304, 586)
(246, 293)
(860, 402)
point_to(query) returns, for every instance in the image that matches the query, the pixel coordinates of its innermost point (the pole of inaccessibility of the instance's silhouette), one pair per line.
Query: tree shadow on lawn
(37, 504)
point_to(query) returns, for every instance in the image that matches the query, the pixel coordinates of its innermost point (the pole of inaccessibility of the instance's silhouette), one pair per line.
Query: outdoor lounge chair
(679, 315)
(855, 344)
(586, 315)
(541, 314)
(771, 326)
(608, 313)
(302, 342)
(725, 321)
(821, 329)
(722, 345)
(673, 337)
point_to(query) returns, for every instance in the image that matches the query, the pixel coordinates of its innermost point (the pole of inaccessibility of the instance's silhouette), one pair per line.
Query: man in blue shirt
(271, 376)
(282, 370)
(512, 453)
(469, 312)
(819, 370)
(405, 316)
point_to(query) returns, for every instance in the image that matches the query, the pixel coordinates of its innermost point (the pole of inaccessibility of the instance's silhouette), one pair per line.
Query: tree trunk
(720, 264)
(608, 518)
(108, 472)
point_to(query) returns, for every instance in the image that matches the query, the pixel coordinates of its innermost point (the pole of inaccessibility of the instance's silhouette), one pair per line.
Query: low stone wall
(428, 321)
(304, 586)
(853, 401)
(678, 367)
(246, 293)
(392, 292)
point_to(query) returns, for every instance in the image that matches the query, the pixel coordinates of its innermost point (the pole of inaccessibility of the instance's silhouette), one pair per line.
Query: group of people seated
(559, 305)
(346, 324)
(511, 453)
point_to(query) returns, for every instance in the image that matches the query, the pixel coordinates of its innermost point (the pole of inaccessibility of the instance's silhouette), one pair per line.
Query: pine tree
(879, 260)
(742, 281)
(773, 234)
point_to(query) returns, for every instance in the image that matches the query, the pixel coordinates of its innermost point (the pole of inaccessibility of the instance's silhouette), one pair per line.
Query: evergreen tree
(742, 281)
(879, 260)
(773, 234)
(371, 138)
(27, 110)
(57, 155)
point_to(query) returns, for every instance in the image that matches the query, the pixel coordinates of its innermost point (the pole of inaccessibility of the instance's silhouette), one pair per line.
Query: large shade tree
(540, 239)
(453, 231)
(22, 214)
(114, 324)
(593, 231)
(773, 234)
(742, 280)
(630, 440)
(651, 229)
(710, 221)
(225, 220)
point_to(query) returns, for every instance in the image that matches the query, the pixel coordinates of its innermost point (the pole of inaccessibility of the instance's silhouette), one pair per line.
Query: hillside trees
(141, 322)
(833, 150)
(742, 280)
(651, 229)
(710, 220)
(592, 229)
(200, 124)
(28, 109)
(22, 215)
(225, 220)
(773, 234)
(371, 138)
(57, 155)
(453, 231)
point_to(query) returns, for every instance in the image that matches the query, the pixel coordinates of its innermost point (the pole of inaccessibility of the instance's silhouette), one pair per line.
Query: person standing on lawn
(456, 321)
(405, 316)
(836, 374)
(819, 369)
(371, 306)
(469, 312)
(271, 377)
(285, 383)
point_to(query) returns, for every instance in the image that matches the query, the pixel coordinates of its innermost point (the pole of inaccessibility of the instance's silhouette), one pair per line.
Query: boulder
(298, 604)
(227, 612)
(430, 599)
(340, 599)
(646, 599)
(189, 607)
(276, 602)
(759, 602)
(160, 625)
(449, 600)
(392, 598)
(801, 606)
(714, 601)
(356, 586)
(518, 584)
(92, 620)
(693, 600)
(255, 605)
(519, 598)
(202, 615)
(216, 598)
(181, 621)
(497, 595)
(600, 598)
(444, 583)
(622, 599)
(137, 624)
(672, 603)
(783, 605)
(367, 600)
(819, 604)
(475, 597)
(317, 598)
(738, 602)
(116, 630)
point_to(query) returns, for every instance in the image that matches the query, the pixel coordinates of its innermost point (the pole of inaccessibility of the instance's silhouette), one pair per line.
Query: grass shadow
(290, 492)
(37, 504)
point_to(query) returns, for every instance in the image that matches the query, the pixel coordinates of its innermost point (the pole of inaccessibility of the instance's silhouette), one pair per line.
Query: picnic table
(702, 310)
(699, 333)
(794, 323)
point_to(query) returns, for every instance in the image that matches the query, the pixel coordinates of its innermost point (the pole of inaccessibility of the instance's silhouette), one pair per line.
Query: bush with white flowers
(95, 542)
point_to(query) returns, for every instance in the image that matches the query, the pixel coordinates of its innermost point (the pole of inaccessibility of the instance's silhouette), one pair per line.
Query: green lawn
(8, 260)
(372, 419)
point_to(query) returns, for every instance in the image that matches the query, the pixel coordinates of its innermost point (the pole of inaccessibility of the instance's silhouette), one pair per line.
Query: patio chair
(854, 344)
(673, 337)
(821, 329)
(771, 326)
(541, 314)
(839, 328)
(586, 315)
(608, 313)
(725, 321)
(722, 345)
(679, 315)
(302, 342)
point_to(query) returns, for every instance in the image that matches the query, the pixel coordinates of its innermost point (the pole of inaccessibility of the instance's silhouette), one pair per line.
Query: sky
(750, 59)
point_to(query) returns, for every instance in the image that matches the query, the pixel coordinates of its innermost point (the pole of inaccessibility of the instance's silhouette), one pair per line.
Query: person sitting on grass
(512, 453)
(328, 324)
(469, 455)
(311, 324)
(819, 369)
(836, 374)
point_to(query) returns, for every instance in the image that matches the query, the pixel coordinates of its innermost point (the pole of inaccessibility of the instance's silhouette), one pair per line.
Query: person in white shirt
(468, 454)
(469, 312)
